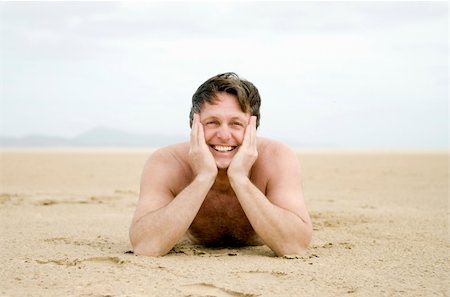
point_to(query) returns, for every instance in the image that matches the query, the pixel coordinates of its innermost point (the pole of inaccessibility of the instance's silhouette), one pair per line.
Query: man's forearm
(155, 233)
(282, 230)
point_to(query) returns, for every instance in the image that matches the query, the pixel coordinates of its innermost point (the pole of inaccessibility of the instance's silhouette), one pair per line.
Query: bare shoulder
(168, 167)
(272, 151)
(174, 155)
(277, 163)
(165, 173)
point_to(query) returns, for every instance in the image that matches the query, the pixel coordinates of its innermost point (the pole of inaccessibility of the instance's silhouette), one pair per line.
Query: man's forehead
(242, 117)
(224, 112)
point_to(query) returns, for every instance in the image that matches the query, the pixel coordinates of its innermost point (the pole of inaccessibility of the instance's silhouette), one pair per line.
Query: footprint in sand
(14, 199)
(86, 200)
(267, 276)
(206, 289)
(76, 262)
(325, 220)
(100, 242)
(126, 192)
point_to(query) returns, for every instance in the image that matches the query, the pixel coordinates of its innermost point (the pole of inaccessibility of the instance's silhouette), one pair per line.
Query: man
(226, 187)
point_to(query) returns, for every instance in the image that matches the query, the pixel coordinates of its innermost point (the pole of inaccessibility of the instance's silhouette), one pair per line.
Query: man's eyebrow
(238, 118)
(235, 118)
(210, 118)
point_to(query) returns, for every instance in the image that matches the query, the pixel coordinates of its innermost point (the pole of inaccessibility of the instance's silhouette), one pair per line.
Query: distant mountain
(98, 137)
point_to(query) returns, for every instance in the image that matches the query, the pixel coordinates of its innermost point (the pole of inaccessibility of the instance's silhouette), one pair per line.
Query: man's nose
(224, 133)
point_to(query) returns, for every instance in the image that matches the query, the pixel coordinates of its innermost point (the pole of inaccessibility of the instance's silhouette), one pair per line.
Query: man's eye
(210, 123)
(237, 124)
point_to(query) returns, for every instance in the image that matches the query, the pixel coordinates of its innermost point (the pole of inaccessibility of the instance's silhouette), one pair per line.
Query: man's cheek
(241, 136)
(208, 134)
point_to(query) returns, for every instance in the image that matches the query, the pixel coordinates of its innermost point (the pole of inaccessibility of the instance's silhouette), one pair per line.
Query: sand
(380, 221)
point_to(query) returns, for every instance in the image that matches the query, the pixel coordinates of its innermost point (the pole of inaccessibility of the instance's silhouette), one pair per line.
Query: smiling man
(226, 187)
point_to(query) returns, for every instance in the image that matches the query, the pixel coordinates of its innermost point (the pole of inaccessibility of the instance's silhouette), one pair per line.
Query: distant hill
(98, 137)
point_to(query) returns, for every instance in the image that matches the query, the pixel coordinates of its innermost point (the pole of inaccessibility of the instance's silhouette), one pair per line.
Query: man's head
(244, 91)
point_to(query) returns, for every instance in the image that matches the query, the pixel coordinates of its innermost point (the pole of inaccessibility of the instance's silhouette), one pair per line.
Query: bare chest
(222, 221)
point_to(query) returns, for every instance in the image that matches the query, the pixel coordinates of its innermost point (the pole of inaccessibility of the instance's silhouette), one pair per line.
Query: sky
(331, 74)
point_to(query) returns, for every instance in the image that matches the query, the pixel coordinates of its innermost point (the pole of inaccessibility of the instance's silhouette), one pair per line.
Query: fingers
(197, 132)
(201, 132)
(194, 130)
(200, 158)
(250, 132)
(253, 130)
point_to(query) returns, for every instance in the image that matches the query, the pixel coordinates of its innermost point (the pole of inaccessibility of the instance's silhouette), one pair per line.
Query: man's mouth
(223, 148)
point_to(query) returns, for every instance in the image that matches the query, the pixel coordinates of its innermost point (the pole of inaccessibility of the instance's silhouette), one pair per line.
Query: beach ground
(380, 229)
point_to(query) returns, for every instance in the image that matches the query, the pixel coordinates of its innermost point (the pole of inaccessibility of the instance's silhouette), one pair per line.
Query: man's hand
(247, 154)
(201, 159)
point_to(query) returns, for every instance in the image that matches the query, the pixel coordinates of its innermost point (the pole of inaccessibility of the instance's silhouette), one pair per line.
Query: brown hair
(246, 93)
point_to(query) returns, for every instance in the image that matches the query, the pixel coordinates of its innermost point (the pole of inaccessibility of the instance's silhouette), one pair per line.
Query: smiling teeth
(223, 148)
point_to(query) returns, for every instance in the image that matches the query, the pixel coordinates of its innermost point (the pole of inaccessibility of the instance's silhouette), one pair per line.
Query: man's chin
(222, 165)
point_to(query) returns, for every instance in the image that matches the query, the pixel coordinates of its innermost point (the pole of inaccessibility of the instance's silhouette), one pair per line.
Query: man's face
(224, 124)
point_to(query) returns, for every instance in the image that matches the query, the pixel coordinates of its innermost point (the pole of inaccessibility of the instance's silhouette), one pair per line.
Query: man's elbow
(148, 250)
(297, 247)
(292, 250)
(145, 248)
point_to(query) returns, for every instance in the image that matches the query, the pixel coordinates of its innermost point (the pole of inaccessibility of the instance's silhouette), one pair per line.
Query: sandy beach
(380, 229)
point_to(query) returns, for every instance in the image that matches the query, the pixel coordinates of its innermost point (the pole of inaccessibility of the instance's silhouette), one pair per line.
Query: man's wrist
(237, 180)
(206, 177)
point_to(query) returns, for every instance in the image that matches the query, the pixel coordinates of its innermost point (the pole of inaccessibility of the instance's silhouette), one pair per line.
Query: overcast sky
(337, 75)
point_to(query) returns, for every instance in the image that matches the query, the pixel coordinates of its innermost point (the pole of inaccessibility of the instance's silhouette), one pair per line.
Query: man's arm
(280, 217)
(160, 218)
